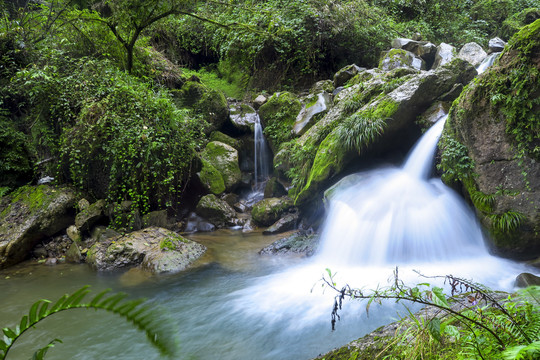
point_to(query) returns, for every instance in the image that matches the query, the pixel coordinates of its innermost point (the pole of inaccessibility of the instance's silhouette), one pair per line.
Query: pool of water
(222, 308)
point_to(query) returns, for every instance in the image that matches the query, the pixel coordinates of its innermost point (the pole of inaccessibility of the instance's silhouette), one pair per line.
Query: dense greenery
(473, 322)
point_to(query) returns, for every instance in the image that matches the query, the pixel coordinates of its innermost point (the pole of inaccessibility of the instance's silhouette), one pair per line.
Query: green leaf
(43, 311)
(76, 297)
(3, 346)
(9, 333)
(24, 323)
(439, 298)
(58, 305)
(40, 354)
(32, 316)
(98, 297)
(434, 327)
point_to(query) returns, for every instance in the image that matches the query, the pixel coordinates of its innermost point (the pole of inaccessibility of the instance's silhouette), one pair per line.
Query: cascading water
(487, 62)
(386, 218)
(261, 156)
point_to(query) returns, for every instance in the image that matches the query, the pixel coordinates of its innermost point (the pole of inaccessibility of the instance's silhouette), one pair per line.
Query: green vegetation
(358, 132)
(473, 322)
(157, 329)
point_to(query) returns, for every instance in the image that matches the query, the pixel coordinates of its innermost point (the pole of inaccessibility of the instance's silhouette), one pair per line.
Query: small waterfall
(399, 216)
(262, 156)
(487, 62)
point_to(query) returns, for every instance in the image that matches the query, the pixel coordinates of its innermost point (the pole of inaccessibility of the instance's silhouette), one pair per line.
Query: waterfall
(262, 156)
(487, 62)
(400, 216)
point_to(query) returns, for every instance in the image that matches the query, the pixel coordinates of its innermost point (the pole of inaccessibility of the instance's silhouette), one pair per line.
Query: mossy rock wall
(491, 144)
(278, 116)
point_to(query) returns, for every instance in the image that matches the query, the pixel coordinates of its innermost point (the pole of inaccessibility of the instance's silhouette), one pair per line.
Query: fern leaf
(40, 354)
(58, 304)
(98, 297)
(43, 309)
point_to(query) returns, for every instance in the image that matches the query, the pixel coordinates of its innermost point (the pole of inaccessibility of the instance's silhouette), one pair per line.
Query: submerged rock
(154, 249)
(30, 215)
(298, 243)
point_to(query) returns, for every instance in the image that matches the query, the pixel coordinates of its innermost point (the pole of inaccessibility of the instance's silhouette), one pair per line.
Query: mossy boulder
(90, 215)
(30, 215)
(215, 210)
(491, 146)
(243, 117)
(224, 159)
(396, 58)
(346, 73)
(278, 116)
(211, 178)
(153, 249)
(226, 139)
(397, 109)
(268, 211)
(209, 103)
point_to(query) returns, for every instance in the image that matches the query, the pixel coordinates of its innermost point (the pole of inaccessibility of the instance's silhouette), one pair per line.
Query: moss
(394, 56)
(385, 108)
(226, 139)
(279, 115)
(211, 178)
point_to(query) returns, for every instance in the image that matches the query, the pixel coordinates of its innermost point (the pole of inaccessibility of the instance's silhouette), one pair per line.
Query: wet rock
(90, 215)
(226, 139)
(299, 243)
(224, 159)
(103, 234)
(215, 210)
(345, 74)
(274, 189)
(156, 218)
(322, 86)
(524, 280)
(423, 49)
(316, 106)
(496, 45)
(51, 261)
(154, 249)
(259, 101)
(243, 117)
(73, 254)
(268, 211)
(230, 198)
(249, 226)
(473, 53)
(73, 233)
(195, 223)
(286, 223)
(445, 53)
(397, 58)
(30, 215)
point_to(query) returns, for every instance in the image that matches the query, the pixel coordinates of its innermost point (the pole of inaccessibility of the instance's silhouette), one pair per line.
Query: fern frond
(358, 132)
(158, 330)
(507, 222)
(483, 202)
(531, 351)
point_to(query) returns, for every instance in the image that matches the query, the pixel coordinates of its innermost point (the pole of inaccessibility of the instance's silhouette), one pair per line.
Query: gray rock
(307, 115)
(102, 234)
(83, 204)
(73, 233)
(286, 223)
(73, 254)
(274, 189)
(524, 280)
(259, 101)
(154, 249)
(473, 53)
(298, 243)
(243, 117)
(156, 218)
(397, 58)
(496, 45)
(422, 49)
(215, 210)
(323, 85)
(196, 223)
(90, 215)
(268, 211)
(445, 53)
(345, 74)
(29, 215)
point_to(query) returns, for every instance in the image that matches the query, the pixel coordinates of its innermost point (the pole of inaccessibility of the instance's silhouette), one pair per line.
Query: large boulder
(267, 211)
(154, 249)
(490, 145)
(396, 110)
(445, 53)
(473, 53)
(422, 49)
(220, 159)
(243, 117)
(345, 74)
(278, 116)
(215, 210)
(90, 215)
(496, 45)
(29, 215)
(396, 58)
